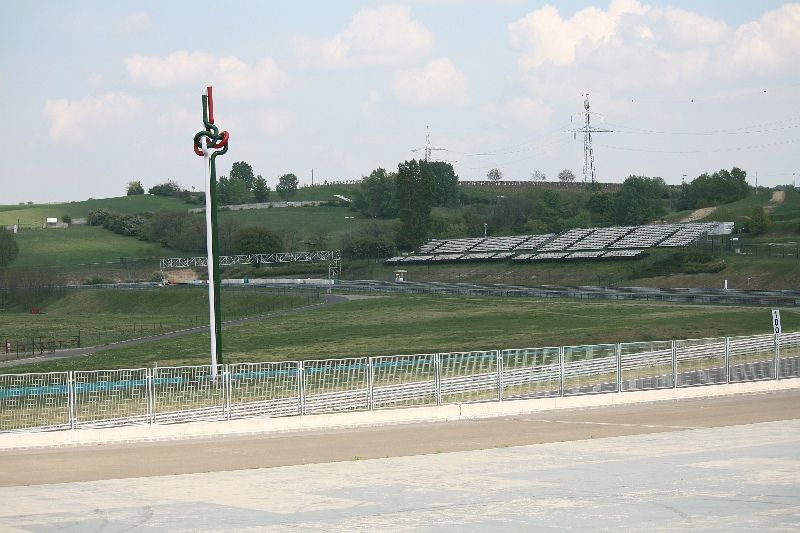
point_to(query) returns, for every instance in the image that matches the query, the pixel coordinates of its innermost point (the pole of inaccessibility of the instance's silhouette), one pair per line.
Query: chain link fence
(163, 395)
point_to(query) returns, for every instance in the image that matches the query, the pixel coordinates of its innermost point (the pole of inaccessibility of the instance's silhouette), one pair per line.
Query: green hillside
(79, 245)
(424, 324)
(36, 213)
(306, 222)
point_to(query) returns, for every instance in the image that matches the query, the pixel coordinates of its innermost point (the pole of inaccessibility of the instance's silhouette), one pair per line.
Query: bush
(256, 240)
(372, 242)
(66, 219)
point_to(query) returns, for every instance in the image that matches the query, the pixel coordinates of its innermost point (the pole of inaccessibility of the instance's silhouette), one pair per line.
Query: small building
(51, 223)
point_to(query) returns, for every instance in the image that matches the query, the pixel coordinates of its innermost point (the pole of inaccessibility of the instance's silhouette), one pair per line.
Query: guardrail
(319, 256)
(106, 398)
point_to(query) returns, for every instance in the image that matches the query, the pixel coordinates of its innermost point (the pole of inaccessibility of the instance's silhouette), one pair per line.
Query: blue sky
(95, 94)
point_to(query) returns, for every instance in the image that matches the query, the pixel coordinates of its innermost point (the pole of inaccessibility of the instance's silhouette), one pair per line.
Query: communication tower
(588, 152)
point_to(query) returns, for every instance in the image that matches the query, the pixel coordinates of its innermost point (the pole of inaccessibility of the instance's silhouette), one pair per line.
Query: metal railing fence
(163, 395)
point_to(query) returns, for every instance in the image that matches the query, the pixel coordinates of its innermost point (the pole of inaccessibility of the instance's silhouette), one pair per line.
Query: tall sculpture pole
(204, 141)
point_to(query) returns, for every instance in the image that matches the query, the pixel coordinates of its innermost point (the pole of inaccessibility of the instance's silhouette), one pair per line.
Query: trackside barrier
(164, 395)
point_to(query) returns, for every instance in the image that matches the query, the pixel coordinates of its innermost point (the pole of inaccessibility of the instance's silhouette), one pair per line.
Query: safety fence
(163, 395)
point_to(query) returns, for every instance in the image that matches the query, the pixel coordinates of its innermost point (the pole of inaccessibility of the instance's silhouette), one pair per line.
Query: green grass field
(418, 324)
(79, 245)
(106, 315)
(304, 221)
(36, 213)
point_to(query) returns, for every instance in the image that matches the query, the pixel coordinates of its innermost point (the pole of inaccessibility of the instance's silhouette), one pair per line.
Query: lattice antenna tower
(588, 152)
(428, 148)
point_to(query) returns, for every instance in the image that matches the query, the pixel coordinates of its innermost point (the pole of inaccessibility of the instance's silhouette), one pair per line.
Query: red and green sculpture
(208, 144)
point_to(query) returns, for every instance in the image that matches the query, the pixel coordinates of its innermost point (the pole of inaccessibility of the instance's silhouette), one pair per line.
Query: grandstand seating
(579, 243)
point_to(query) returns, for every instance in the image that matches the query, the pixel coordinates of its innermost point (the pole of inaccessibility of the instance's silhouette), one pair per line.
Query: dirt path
(777, 199)
(86, 463)
(698, 214)
(330, 299)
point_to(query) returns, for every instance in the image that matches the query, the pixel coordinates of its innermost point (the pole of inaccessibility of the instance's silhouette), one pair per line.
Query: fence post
(226, 392)
(727, 360)
(437, 377)
(777, 356)
(561, 370)
(301, 386)
(618, 349)
(71, 399)
(499, 375)
(150, 402)
(370, 384)
(674, 364)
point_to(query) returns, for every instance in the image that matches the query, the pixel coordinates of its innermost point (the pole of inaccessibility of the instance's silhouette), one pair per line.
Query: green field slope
(422, 324)
(36, 213)
(80, 245)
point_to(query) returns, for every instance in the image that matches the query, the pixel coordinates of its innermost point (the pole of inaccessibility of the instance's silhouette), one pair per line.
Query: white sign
(776, 321)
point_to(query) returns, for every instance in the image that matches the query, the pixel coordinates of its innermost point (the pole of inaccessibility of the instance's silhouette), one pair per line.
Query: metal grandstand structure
(332, 257)
(616, 242)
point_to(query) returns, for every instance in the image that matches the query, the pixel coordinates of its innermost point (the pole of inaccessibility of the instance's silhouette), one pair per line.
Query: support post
(500, 384)
(618, 350)
(71, 401)
(777, 356)
(674, 364)
(561, 370)
(208, 138)
(727, 359)
(150, 401)
(226, 392)
(370, 384)
(437, 377)
(301, 386)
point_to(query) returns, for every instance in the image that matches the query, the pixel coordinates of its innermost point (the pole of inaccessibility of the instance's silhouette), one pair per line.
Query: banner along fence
(105, 398)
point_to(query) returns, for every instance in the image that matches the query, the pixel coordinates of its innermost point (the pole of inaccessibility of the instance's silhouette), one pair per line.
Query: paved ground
(677, 465)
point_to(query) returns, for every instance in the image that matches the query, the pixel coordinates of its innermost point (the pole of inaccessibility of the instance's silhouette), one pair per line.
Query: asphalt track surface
(105, 462)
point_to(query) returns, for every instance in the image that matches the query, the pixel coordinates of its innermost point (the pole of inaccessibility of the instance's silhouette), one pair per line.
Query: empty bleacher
(616, 242)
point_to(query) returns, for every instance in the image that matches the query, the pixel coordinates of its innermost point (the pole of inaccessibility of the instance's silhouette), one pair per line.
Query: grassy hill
(306, 222)
(423, 324)
(36, 213)
(102, 315)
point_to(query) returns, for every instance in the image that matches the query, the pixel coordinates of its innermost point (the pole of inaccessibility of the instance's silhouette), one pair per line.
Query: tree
(66, 219)
(494, 175)
(8, 247)
(256, 240)
(415, 197)
(376, 196)
(135, 188)
(759, 221)
(287, 186)
(538, 176)
(640, 200)
(372, 241)
(170, 188)
(566, 176)
(244, 172)
(445, 182)
(721, 187)
(232, 191)
(261, 190)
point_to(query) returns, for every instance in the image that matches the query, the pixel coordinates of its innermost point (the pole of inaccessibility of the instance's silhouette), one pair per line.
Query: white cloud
(376, 37)
(632, 46)
(229, 75)
(136, 23)
(772, 42)
(274, 122)
(529, 111)
(74, 120)
(438, 82)
(179, 118)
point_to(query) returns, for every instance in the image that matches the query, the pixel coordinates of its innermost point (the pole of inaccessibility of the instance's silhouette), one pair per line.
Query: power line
(711, 151)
